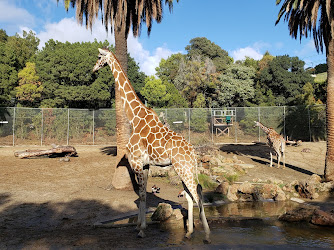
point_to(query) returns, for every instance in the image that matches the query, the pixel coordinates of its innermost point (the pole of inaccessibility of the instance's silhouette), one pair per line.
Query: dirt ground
(47, 203)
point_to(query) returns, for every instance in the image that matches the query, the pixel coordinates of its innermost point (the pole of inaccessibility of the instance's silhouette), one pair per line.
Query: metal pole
(309, 122)
(189, 124)
(14, 127)
(284, 122)
(68, 125)
(235, 125)
(259, 115)
(42, 128)
(93, 127)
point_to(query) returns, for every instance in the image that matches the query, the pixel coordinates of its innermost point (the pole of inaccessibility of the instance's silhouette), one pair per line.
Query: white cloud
(69, 30)
(240, 54)
(146, 61)
(12, 16)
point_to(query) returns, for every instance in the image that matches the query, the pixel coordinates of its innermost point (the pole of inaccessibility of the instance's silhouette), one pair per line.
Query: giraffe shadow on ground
(109, 150)
(298, 169)
(153, 200)
(257, 151)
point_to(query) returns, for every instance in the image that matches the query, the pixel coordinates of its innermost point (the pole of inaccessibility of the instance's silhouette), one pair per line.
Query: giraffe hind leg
(202, 214)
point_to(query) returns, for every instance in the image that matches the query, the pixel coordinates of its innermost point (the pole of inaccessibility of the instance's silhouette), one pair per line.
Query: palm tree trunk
(329, 167)
(121, 178)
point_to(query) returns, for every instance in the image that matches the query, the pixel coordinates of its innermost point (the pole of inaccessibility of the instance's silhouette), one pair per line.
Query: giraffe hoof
(207, 240)
(188, 235)
(141, 234)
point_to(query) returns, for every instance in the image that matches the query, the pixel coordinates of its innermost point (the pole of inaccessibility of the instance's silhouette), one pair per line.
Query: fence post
(235, 126)
(93, 127)
(259, 119)
(42, 128)
(189, 124)
(14, 127)
(284, 122)
(68, 125)
(309, 122)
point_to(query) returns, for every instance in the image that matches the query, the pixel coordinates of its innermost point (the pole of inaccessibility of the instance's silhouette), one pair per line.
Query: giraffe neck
(130, 100)
(264, 128)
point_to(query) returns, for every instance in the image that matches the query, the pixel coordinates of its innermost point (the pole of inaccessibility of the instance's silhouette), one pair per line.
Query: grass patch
(231, 178)
(206, 181)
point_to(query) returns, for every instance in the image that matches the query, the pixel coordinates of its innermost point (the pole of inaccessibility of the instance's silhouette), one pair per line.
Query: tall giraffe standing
(153, 143)
(276, 143)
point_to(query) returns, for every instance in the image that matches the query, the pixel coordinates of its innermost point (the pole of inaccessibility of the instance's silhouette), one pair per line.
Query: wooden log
(55, 151)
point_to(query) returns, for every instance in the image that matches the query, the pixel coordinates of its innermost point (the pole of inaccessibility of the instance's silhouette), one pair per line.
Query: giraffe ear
(103, 52)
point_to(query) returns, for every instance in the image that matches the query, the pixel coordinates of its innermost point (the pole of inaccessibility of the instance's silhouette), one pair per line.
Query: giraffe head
(257, 124)
(103, 59)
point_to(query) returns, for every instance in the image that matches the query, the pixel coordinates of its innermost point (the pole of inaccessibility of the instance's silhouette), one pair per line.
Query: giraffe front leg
(271, 159)
(142, 182)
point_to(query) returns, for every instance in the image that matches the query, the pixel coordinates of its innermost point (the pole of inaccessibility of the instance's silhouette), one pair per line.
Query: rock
(297, 200)
(206, 158)
(177, 214)
(163, 212)
(280, 195)
(246, 188)
(322, 218)
(232, 192)
(222, 188)
(326, 186)
(314, 178)
(272, 191)
(305, 189)
(303, 213)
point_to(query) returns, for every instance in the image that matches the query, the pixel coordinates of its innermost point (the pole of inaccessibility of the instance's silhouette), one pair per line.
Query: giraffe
(153, 143)
(276, 143)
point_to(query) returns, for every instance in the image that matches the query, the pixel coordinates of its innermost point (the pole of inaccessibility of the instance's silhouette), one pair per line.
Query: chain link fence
(34, 126)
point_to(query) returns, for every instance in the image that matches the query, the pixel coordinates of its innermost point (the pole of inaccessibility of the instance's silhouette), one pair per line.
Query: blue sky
(241, 27)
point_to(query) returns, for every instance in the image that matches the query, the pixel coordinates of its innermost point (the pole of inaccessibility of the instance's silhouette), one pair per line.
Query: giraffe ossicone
(275, 141)
(152, 143)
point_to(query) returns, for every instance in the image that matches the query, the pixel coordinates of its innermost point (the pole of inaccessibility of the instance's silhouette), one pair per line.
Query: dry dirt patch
(48, 203)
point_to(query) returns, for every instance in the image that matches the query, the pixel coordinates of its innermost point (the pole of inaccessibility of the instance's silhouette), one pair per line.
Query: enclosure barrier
(45, 126)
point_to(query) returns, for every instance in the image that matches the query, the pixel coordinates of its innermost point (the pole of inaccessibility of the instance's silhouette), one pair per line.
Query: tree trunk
(329, 165)
(123, 177)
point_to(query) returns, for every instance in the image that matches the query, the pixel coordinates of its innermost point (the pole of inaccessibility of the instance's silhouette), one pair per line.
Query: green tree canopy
(203, 47)
(236, 86)
(285, 77)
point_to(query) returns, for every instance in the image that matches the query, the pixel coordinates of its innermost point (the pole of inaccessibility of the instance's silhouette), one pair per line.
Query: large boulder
(322, 218)
(302, 213)
(222, 188)
(232, 192)
(163, 212)
(272, 191)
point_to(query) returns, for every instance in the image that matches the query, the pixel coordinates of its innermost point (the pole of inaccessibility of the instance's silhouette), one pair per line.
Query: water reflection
(255, 224)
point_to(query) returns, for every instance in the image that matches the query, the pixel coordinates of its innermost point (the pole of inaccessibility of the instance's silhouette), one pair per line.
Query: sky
(241, 27)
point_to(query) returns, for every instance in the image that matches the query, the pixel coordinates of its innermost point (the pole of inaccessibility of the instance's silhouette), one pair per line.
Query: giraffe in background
(153, 143)
(276, 143)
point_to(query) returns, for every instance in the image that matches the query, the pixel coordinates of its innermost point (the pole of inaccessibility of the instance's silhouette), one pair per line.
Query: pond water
(250, 225)
(255, 225)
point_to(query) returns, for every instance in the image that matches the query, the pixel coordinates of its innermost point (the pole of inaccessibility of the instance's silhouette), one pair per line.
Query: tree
(285, 77)
(29, 90)
(303, 19)
(236, 85)
(203, 47)
(15, 51)
(121, 15)
(155, 92)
